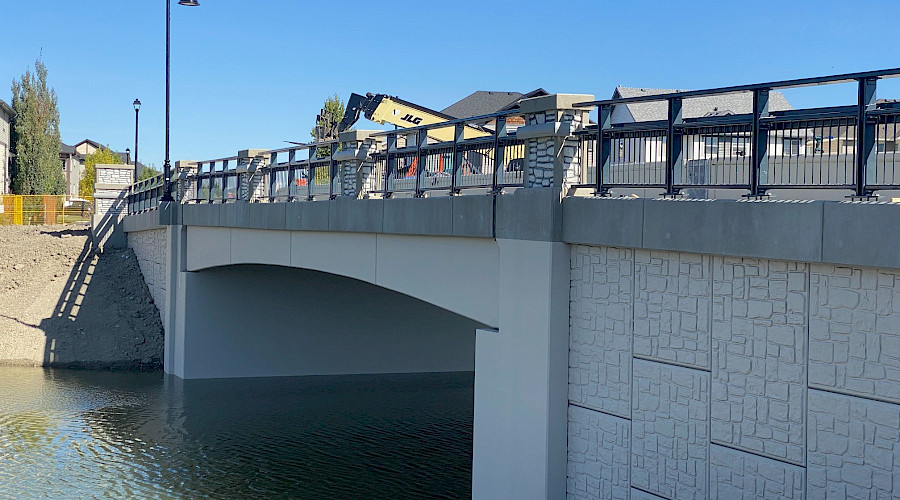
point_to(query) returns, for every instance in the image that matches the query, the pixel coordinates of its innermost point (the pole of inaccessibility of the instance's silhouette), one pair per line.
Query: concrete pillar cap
(553, 101)
(356, 135)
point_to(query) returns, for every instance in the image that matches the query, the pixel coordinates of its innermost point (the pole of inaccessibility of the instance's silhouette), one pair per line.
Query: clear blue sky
(251, 74)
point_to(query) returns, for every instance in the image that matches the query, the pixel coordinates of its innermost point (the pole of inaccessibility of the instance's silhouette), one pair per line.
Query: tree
(101, 156)
(35, 135)
(148, 172)
(326, 129)
(327, 122)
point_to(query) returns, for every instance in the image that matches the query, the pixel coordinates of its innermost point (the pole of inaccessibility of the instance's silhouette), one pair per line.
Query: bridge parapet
(818, 153)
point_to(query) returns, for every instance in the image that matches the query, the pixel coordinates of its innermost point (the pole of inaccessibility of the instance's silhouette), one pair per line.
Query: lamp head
(189, 3)
(137, 104)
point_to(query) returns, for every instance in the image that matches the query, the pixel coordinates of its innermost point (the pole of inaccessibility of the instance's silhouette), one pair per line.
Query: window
(791, 147)
(738, 146)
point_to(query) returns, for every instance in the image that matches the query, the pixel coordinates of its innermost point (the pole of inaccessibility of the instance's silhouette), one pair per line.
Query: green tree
(101, 156)
(35, 135)
(329, 117)
(326, 129)
(148, 172)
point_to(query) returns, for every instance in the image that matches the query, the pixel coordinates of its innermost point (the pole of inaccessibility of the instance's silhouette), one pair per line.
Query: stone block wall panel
(739, 475)
(759, 356)
(672, 307)
(854, 447)
(598, 456)
(670, 430)
(854, 343)
(600, 315)
(150, 249)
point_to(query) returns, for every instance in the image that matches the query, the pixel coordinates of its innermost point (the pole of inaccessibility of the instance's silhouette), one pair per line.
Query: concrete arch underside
(251, 320)
(454, 273)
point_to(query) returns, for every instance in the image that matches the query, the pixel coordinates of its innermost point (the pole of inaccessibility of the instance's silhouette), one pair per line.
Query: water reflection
(101, 434)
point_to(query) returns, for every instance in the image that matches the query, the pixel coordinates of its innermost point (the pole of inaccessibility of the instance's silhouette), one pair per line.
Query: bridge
(661, 345)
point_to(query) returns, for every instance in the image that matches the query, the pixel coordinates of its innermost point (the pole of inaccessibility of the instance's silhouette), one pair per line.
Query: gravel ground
(63, 305)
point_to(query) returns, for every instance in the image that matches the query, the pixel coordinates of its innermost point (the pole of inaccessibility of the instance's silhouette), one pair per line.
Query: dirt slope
(63, 305)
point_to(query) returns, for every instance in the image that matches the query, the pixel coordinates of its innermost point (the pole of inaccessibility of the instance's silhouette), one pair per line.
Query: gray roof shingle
(485, 102)
(736, 103)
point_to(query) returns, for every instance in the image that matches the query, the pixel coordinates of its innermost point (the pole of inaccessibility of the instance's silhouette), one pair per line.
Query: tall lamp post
(137, 109)
(167, 166)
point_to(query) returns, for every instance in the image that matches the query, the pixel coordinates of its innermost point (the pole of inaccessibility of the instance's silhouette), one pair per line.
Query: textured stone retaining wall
(696, 376)
(150, 248)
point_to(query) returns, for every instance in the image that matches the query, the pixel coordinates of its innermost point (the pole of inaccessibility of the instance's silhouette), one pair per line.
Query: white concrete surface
(520, 378)
(457, 274)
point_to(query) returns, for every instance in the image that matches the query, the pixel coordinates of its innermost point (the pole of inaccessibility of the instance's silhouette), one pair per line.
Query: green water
(80, 434)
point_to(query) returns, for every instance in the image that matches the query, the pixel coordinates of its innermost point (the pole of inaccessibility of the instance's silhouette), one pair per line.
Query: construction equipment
(383, 109)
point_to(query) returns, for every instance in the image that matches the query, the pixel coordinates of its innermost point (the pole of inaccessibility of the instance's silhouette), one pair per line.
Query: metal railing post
(604, 148)
(273, 160)
(311, 173)
(674, 157)
(759, 157)
(292, 155)
(333, 169)
(865, 137)
(499, 151)
(458, 136)
(389, 163)
(421, 142)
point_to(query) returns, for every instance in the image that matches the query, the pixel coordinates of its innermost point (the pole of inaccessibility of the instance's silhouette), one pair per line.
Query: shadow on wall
(104, 317)
(250, 320)
(106, 228)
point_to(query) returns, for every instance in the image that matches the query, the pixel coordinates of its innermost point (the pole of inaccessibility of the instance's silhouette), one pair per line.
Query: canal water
(88, 434)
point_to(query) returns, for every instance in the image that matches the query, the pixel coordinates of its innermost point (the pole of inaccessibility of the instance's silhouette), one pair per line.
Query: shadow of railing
(104, 317)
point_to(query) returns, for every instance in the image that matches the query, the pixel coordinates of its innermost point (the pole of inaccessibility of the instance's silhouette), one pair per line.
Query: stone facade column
(253, 185)
(185, 188)
(111, 185)
(355, 163)
(553, 153)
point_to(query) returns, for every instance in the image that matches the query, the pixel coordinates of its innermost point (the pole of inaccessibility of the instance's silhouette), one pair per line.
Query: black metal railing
(303, 172)
(823, 148)
(474, 153)
(145, 194)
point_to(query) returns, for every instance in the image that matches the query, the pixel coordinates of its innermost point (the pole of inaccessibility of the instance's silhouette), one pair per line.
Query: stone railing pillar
(185, 190)
(111, 185)
(355, 164)
(553, 153)
(253, 183)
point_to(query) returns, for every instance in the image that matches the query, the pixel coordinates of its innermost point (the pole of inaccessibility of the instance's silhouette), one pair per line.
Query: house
(72, 159)
(485, 102)
(6, 114)
(651, 148)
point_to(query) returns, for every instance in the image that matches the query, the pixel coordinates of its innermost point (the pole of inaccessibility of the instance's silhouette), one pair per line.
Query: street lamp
(128, 156)
(137, 109)
(167, 166)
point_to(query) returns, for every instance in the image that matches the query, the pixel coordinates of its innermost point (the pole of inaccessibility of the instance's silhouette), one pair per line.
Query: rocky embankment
(63, 305)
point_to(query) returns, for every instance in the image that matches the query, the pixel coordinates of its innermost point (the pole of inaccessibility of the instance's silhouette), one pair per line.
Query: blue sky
(251, 74)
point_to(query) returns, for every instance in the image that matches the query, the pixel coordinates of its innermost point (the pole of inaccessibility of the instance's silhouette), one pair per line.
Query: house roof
(485, 102)
(66, 149)
(6, 108)
(92, 143)
(695, 107)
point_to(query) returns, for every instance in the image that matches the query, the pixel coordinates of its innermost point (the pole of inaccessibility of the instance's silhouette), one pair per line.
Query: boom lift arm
(383, 109)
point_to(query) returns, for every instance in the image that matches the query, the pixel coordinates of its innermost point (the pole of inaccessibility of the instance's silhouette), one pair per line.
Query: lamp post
(128, 156)
(167, 166)
(137, 109)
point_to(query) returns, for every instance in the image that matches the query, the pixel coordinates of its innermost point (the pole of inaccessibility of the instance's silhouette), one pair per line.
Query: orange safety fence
(16, 209)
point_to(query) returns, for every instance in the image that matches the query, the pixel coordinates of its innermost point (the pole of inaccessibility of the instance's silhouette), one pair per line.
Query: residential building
(72, 159)
(485, 102)
(643, 148)
(6, 114)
